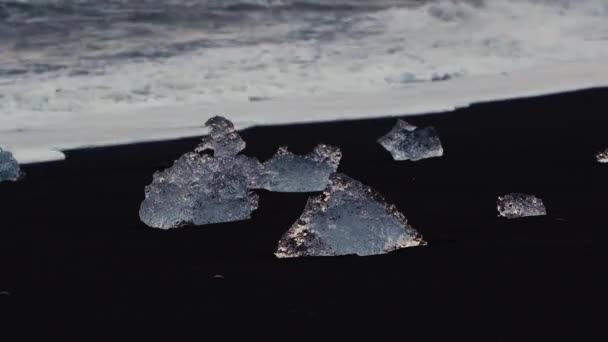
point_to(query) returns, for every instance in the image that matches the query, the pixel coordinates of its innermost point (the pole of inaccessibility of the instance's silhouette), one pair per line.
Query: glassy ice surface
(9, 167)
(602, 156)
(348, 218)
(520, 205)
(201, 188)
(408, 142)
(287, 172)
(223, 139)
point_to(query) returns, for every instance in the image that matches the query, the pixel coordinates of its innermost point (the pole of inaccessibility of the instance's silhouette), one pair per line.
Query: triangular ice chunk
(287, 172)
(348, 218)
(202, 189)
(520, 205)
(408, 142)
(9, 167)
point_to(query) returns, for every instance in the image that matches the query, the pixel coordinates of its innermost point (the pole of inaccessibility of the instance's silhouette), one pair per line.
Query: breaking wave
(86, 55)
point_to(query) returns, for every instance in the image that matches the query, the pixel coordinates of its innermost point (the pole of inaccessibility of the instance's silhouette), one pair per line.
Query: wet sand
(76, 253)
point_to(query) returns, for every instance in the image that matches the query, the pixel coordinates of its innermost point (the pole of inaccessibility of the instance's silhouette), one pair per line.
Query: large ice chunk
(348, 218)
(408, 142)
(287, 172)
(520, 205)
(201, 188)
(602, 156)
(9, 167)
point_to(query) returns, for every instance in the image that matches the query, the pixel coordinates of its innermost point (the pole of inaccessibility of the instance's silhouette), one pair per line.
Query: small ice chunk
(9, 167)
(201, 188)
(408, 142)
(520, 205)
(223, 139)
(602, 156)
(348, 218)
(287, 172)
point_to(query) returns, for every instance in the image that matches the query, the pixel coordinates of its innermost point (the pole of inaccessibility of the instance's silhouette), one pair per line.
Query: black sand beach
(76, 253)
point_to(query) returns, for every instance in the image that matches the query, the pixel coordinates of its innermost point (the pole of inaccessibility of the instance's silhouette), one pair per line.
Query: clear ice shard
(9, 167)
(408, 142)
(348, 218)
(201, 188)
(520, 205)
(287, 172)
(223, 139)
(602, 156)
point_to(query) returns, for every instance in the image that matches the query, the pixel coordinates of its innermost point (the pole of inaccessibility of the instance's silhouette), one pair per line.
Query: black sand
(75, 251)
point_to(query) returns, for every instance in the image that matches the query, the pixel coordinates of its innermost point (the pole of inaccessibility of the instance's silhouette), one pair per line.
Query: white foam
(377, 51)
(166, 122)
(27, 156)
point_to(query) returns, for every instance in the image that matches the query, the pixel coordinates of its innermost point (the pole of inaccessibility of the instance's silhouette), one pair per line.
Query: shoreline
(44, 137)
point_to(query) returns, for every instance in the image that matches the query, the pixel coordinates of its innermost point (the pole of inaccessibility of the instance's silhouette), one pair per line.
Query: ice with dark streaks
(348, 218)
(288, 172)
(408, 142)
(9, 167)
(516, 205)
(210, 185)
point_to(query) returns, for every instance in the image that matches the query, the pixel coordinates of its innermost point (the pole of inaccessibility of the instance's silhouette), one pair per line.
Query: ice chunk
(348, 218)
(408, 142)
(9, 167)
(602, 156)
(520, 205)
(287, 172)
(223, 139)
(201, 188)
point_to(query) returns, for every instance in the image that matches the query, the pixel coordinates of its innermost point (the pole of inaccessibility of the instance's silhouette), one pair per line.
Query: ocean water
(80, 56)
